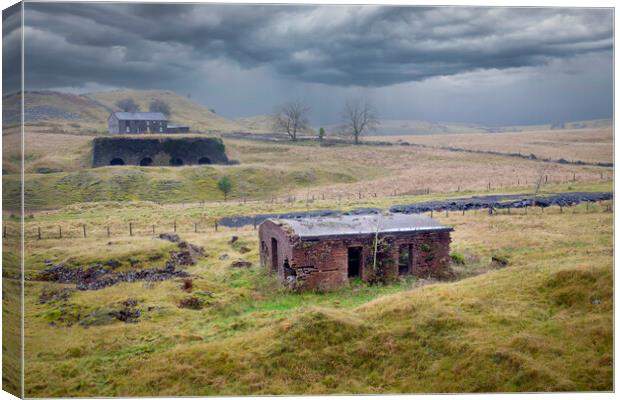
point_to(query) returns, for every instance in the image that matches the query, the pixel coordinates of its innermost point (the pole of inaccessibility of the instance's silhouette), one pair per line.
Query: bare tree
(158, 105)
(360, 116)
(128, 105)
(291, 117)
(541, 172)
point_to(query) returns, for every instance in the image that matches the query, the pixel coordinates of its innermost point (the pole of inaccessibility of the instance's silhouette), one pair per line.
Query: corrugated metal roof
(140, 116)
(361, 224)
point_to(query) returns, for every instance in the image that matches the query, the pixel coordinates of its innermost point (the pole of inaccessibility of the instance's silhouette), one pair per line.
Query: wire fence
(142, 229)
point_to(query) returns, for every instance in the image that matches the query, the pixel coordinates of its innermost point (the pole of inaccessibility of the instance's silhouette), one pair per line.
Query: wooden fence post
(39, 232)
(216, 226)
(84, 230)
(130, 229)
(195, 227)
(59, 232)
(153, 229)
(254, 222)
(175, 225)
(108, 229)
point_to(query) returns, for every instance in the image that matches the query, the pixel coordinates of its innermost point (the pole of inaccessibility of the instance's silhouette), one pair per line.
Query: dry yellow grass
(589, 145)
(534, 326)
(405, 169)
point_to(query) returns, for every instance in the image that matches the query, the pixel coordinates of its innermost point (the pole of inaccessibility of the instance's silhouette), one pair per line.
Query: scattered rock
(223, 257)
(171, 237)
(113, 263)
(596, 301)
(52, 295)
(501, 261)
(241, 264)
(244, 249)
(193, 303)
(98, 276)
(233, 239)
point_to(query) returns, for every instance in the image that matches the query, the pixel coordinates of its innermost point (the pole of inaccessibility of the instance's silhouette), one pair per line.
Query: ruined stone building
(153, 150)
(323, 253)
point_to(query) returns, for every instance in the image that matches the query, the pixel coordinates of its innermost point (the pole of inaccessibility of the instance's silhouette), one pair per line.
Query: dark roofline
(386, 232)
(160, 117)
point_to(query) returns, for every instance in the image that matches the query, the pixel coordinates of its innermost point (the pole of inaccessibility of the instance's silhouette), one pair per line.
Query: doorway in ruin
(176, 162)
(117, 161)
(146, 161)
(354, 261)
(274, 254)
(204, 160)
(404, 259)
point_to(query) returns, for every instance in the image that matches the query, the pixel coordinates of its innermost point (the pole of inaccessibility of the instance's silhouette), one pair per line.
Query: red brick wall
(266, 232)
(323, 264)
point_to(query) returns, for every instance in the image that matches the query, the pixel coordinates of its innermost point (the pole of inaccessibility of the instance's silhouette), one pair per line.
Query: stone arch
(117, 161)
(204, 160)
(176, 162)
(146, 161)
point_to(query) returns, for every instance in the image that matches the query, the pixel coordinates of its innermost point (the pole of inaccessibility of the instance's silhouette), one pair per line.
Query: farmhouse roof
(140, 116)
(360, 225)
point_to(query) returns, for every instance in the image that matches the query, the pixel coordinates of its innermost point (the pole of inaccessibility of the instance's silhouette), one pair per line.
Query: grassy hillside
(543, 323)
(414, 127)
(267, 169)
(57, 112)
(184, 110)
(587, 144)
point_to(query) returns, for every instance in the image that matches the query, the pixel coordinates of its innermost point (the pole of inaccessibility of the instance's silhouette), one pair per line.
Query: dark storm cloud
(139, 45)
(11, 49)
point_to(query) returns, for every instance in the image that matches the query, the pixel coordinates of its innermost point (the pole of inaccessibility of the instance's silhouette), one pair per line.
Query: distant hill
(184, 110)
(55, 110)
(415, 127)
(58, 112)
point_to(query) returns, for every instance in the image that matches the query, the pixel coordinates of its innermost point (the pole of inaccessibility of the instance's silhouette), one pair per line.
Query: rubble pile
(100, 275)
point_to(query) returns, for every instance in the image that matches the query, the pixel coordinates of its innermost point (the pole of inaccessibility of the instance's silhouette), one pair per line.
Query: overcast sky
(492, 66)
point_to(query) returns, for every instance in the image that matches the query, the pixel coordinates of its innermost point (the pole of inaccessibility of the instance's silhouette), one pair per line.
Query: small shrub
(425, 247)
(457, 258)
(188, 285)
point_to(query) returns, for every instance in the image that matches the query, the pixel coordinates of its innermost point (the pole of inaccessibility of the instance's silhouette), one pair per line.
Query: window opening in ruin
(355, 261)
(274, 254)
(146, 161)
(117, 161)
(176, 162)
(404, 259)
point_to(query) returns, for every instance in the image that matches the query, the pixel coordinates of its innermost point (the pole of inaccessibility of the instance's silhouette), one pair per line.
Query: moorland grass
(543, 323)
